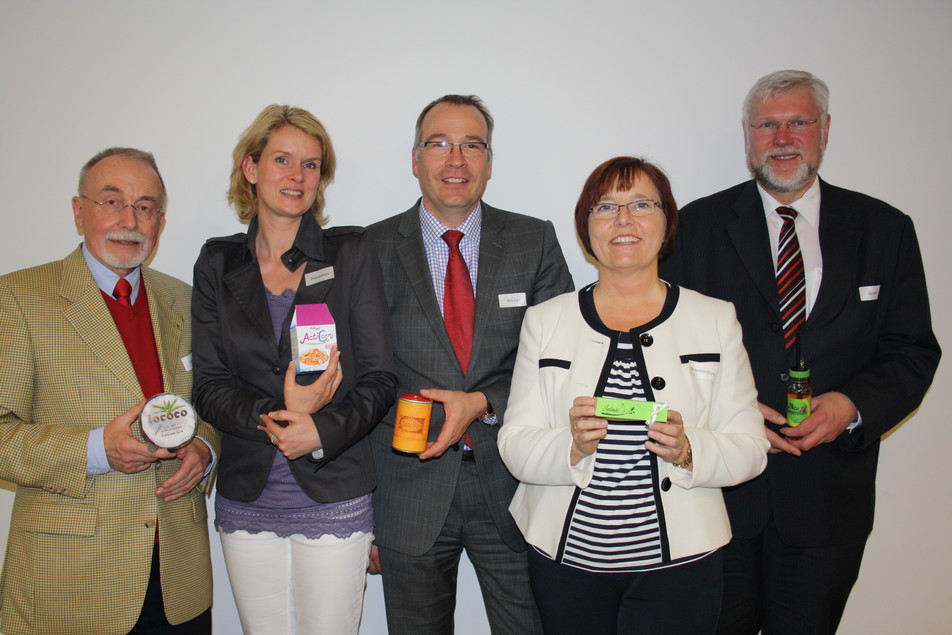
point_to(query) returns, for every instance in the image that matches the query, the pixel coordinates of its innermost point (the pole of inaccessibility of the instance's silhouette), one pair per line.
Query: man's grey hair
(128, 153)
(778, 82)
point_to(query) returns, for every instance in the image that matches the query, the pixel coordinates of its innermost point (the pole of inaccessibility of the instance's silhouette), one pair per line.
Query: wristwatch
(489, 417)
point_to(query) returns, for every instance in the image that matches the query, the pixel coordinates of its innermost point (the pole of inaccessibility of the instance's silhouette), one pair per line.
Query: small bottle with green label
(799, 394)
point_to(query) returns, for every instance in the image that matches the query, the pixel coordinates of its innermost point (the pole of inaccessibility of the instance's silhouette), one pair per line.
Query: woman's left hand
(315, 396)
(668, 440)
(297, 438)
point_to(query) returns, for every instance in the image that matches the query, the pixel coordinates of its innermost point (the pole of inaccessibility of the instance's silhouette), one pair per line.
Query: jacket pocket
(64, 520)
(702, 366)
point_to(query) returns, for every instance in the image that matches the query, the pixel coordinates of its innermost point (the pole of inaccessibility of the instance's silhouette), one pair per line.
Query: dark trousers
(684, 599)
(152, 619)
(420, 591)
(778, 589)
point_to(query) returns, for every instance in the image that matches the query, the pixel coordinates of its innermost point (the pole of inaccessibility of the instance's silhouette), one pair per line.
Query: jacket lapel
(247, 288)
(839, 246)
(748, 232)
(88, 316)
(413, 259)
(491, 257)
(167, 325)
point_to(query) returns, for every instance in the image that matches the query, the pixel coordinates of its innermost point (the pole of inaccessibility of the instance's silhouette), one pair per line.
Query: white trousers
(297, 585)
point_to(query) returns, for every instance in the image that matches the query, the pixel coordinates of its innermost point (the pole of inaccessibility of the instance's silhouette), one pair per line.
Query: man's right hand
(126, 453)
(374, 567)
(778, 443)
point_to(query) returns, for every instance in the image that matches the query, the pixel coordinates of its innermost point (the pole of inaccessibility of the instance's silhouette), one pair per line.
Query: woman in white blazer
(627, 521)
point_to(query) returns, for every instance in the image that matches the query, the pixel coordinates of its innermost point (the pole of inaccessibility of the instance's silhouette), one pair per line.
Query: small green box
(628, 409)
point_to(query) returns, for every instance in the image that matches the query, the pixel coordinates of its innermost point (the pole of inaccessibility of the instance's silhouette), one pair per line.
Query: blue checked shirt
(438, 252)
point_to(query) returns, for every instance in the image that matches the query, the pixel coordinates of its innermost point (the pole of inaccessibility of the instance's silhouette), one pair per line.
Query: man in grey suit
(455, 495)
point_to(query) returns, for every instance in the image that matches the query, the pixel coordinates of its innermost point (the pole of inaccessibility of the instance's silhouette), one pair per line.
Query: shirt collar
(106, 278)
(807, 206)
(433, 229)
(308, 243)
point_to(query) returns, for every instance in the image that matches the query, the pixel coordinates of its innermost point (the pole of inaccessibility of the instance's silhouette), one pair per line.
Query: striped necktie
(791, 284)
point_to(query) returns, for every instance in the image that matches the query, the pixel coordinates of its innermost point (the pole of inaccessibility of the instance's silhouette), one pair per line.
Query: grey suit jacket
(517, 255)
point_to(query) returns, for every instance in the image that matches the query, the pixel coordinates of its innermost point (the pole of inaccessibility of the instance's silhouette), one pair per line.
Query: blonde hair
(242, 194)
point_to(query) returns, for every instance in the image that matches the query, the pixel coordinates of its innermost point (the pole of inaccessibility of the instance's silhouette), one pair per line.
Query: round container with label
(412, 423)
(168, 420)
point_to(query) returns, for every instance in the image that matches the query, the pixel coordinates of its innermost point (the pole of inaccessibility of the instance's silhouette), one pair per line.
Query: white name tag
(507, 300)
(327, 273)
(869, 293)
(187, 362)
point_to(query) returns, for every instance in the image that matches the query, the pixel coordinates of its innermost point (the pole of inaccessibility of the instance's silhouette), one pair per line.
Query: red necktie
(123, 292)
(791, 284)
(459, 304)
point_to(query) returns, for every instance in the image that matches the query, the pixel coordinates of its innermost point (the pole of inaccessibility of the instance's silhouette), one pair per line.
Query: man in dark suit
(863, 325)
(455, 495)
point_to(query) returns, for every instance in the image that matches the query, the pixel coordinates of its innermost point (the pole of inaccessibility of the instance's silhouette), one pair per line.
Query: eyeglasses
(769, 128)
(144, 210)
(641, 207)
(469, 149)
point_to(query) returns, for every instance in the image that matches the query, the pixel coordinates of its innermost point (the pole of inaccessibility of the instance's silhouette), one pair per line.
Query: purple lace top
(283, 507)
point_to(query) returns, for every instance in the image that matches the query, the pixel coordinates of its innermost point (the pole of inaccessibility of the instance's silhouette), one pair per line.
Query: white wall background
(570, 83)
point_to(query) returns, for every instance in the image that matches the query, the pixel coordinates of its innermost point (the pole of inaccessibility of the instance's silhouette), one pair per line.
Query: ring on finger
(272, 438)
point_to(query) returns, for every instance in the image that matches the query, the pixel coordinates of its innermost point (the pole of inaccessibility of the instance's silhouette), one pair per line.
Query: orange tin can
(412, 423)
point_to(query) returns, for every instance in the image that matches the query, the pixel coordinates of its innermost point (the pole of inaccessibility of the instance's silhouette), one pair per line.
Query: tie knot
(452, 237)
(123, 292)
(787, 213)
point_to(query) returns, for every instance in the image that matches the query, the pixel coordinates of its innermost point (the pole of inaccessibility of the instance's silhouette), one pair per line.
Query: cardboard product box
(630, 409)
(313, 335)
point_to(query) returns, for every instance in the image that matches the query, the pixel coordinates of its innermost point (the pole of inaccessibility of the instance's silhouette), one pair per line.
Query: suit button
(646, 339)
(149, 525)
(665, 484)
(658, 383)
(784, 378)
(276, 370)
(775, 327)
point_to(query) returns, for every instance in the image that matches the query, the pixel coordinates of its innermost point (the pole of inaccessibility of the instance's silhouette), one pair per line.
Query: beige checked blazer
(79, 550)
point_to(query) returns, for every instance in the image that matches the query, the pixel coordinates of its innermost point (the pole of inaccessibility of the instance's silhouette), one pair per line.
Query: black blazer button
(658, 383)
(276, 370)
(775, 327)
(784, 378)
(665, 484)
(646, 339)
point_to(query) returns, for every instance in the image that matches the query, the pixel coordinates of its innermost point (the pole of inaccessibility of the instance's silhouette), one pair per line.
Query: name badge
(507, 300)
(869, 293)
(187, 362)
(327, 273)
